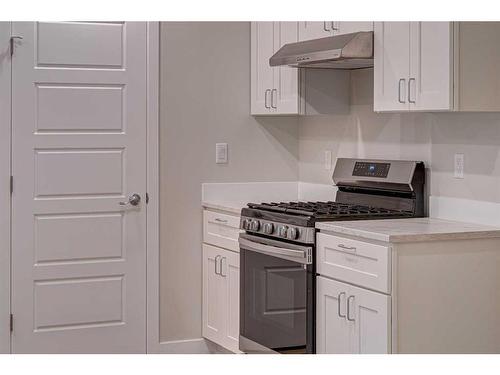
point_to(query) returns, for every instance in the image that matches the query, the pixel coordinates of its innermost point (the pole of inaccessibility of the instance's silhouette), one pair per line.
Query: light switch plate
(459, 166)
(221, 153)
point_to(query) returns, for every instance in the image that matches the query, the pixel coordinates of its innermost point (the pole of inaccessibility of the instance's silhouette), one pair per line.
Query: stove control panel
(278, 230)
(368, 169)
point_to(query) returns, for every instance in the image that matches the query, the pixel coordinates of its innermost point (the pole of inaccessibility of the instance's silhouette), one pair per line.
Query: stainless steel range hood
(348, 51)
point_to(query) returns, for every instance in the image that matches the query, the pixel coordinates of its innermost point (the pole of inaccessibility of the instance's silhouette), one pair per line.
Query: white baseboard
(193, 346)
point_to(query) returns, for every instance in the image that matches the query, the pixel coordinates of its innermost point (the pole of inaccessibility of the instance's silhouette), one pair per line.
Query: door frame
(5, 172)
(152, 329)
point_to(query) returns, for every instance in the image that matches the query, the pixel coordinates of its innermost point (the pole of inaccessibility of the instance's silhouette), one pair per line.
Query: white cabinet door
(333, 331)
(391, 66)
(78, 150)
(213, 295)
(221, 297)
(346, 27)
(314, 30)
(431, 74)
(230, 272)
(370, 314)
(262, 81)
(285, 93)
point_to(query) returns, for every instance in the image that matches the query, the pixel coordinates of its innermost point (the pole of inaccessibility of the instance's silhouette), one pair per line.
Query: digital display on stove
(366, 169)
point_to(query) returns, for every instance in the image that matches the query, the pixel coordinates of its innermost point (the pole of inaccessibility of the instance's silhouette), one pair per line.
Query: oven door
(276, 296)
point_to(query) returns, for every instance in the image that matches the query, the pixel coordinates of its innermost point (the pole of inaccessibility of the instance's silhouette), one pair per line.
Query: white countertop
(410, 230)
(230, 207)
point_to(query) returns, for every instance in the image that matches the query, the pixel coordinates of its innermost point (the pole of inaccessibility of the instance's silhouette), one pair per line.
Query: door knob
(133, 200)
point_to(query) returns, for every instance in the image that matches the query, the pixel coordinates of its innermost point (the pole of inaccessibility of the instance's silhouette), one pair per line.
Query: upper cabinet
(274, 90)
(316, 29)
(436, 66)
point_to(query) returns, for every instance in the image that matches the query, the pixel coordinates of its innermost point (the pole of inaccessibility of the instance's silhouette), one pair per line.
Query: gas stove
(277, 249)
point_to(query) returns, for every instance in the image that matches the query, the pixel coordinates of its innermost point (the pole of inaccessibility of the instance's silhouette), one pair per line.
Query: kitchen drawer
(356, 262)
(221, 229)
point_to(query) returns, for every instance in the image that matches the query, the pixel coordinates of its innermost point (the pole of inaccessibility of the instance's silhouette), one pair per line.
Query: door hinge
(11, 322)
(11, 184)
(147, 198)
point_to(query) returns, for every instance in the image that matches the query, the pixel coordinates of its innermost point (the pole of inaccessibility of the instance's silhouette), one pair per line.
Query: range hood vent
(348, 51)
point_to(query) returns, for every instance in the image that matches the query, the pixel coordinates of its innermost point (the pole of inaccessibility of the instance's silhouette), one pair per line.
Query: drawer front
(221, 229)
(356, 262)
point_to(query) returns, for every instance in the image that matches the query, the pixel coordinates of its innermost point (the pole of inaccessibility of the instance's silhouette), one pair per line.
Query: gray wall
(204, 99)
(431, 137)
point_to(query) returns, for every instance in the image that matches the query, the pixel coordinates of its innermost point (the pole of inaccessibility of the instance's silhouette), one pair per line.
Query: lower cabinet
(351, 320)
(221, 284)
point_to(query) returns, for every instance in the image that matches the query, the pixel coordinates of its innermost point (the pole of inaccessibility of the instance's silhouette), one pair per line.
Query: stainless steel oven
(277, 296)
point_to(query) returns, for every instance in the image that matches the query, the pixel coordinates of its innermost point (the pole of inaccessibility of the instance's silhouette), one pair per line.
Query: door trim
(5, 171)
(153, 343)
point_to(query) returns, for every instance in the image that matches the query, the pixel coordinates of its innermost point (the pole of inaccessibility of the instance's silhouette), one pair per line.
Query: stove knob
(255, 225)
(292, 233)
(282, 231)
(268, 228)
(245, 224)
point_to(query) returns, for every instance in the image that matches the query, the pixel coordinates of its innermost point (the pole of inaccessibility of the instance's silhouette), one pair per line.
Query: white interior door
(79, 149)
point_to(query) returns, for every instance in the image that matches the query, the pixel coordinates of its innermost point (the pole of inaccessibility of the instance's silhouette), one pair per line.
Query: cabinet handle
(333, 27)
(217, 261)
(324, 26)
(349, 310)
(342, 246)
(221, 268)
(399, 90)
(409, 90)
(338, 305)
(272, 98)
(265, 98)
(220, 220)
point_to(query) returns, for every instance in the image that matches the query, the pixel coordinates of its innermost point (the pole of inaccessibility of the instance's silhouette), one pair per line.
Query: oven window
(273, 301)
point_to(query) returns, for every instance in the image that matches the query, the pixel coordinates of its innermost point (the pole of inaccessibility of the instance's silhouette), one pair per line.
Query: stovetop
(327, 210)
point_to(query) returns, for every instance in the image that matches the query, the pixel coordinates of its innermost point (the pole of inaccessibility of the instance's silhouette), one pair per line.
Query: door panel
(79, 149)
(391, 66)
(431, 66)
(262, 48)
(231, 272)
(213, 295)
(333, 331)
(314, 29)
(371, 312)
(286, 93)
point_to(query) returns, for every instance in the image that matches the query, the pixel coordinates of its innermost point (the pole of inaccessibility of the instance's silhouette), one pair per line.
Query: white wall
(431, 137)
(204, 99)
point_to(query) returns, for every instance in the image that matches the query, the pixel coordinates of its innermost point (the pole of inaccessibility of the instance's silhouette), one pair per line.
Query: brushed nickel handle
(12, 41)
(342, 246)
(399, 90)
(324, 26)
(272, 98)
(216, 261)
(334, 28)
(338, 305)
(220, 220)
(222, 267)
(265, 98)
(409, 90)
(133, 200)
(349, 310)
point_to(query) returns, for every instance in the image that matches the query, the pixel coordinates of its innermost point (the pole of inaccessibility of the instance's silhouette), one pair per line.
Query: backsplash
(431, 137)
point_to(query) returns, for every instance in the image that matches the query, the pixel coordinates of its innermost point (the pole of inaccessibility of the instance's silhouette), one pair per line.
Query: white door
(213, 295)
(315, 29)
(285, 94)
(370, 315)
(333, 330)
(431, 66)
(391, 66)
(79, 149)
(230, 272)
(262, 48)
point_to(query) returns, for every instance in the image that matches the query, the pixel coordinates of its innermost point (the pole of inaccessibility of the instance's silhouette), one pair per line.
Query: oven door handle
(303, 256)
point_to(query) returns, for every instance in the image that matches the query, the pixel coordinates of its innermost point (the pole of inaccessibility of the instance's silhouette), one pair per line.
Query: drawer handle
(352, 248)
(220, 220)
(338, 304)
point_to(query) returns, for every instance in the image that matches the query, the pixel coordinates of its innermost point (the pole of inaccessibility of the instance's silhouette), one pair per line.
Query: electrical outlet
(328, 160)
(221, 153)
(459, 166)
